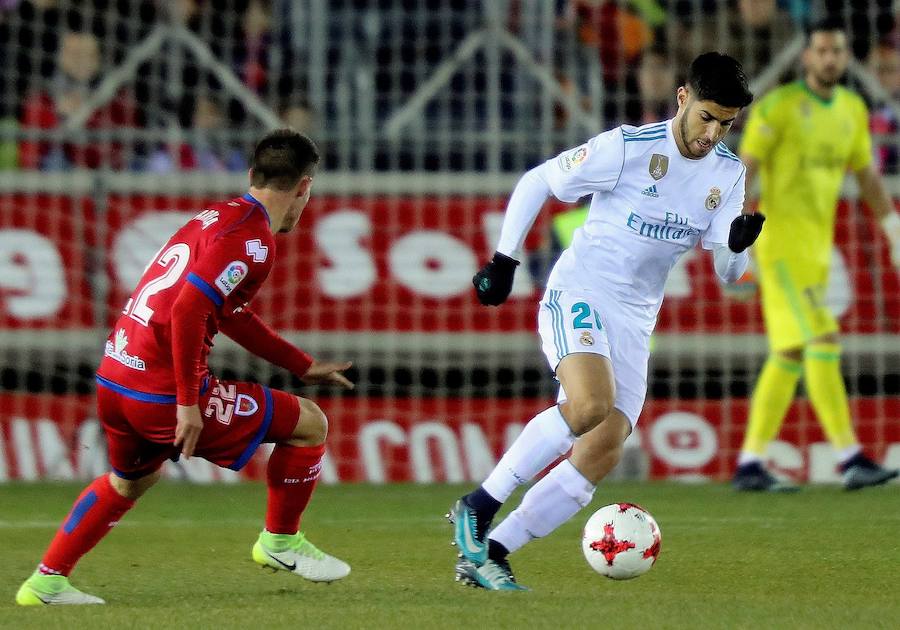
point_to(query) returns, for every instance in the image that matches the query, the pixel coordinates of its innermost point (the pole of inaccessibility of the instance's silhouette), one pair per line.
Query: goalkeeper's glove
(494, 282)
(744, 231)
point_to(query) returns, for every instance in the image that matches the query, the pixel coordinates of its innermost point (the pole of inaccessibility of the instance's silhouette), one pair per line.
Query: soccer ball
(621, 541)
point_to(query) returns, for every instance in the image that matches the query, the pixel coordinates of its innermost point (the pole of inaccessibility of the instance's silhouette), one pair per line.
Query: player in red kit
(157, 399)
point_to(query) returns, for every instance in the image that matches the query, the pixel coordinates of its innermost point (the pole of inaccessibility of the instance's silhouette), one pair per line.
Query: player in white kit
(658, 190)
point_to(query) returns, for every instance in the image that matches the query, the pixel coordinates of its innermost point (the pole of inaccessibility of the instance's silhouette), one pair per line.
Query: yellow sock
(828, 393)
(771, 398)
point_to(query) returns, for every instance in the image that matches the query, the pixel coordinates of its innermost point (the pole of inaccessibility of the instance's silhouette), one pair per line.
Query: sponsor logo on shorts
(231, 276)
(246, 405)
(587, 339)
(115, 350)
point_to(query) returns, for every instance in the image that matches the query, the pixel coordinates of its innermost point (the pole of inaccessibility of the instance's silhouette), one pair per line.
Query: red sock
(96, 511)
(291, 475)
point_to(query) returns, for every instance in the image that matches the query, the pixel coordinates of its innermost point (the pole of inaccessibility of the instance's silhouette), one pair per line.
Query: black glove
(744, 231)
(494, 282)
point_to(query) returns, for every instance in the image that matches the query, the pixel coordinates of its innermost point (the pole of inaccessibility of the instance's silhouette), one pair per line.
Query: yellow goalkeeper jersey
(804, 146)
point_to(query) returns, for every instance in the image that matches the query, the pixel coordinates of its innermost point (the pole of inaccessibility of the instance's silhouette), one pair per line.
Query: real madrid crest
(587, 339)
(659, 166)
(714, 198)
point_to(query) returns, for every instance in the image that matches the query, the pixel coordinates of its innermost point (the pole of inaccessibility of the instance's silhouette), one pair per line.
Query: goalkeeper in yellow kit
(801, 139)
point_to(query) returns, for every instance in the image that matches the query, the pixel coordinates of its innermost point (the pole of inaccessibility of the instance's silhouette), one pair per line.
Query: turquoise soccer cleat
(471, 542)
(493, 575)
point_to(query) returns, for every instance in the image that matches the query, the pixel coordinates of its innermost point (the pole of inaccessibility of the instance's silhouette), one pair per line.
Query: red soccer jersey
(226, 252)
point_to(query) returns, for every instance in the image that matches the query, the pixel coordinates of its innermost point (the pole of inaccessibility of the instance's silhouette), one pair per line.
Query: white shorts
(580, 321)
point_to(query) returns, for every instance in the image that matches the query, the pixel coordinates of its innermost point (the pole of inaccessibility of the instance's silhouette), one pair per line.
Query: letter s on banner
(350, 270)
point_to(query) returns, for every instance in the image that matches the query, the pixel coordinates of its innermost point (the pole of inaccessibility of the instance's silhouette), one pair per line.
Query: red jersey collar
(251, 199)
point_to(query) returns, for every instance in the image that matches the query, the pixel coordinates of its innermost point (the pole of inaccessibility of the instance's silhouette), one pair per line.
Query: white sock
(548, 504)
(748, 458)
(544, 438)
(844, 454)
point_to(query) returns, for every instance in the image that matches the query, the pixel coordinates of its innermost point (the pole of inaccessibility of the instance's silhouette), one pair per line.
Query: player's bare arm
(750, 183)
(874, 193)
(246, 328)
(328, 373)
(188, 428)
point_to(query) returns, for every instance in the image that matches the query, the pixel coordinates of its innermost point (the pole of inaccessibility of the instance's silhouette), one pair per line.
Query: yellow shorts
(793, 301)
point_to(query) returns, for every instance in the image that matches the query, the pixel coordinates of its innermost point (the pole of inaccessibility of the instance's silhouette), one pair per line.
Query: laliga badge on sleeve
(231, 276)
(574, 158)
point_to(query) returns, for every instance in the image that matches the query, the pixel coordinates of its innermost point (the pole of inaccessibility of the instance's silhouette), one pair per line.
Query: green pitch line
(821, 558)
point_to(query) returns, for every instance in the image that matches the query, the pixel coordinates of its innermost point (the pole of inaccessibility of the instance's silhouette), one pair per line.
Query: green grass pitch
(822, 558)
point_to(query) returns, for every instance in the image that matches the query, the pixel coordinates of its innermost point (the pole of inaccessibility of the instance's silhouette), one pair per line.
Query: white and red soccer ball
(621, 541)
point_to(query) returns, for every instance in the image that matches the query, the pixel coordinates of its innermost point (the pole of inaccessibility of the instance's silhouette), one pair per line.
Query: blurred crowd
(62, 67)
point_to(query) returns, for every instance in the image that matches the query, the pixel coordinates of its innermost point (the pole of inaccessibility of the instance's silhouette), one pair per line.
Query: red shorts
(238, 417)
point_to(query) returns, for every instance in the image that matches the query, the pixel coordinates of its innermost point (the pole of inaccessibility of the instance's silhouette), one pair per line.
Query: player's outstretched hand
(494, 282)
(328, 372)
(187, 429)
(744, 231)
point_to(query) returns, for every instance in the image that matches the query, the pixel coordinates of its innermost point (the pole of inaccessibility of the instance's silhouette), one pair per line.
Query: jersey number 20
(175, 260)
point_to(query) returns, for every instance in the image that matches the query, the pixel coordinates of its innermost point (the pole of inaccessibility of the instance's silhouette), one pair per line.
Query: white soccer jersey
(650, 205)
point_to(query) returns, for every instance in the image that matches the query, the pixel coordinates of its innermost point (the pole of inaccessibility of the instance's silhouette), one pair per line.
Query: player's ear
(304, 186)
(250, 175)
(682, 96)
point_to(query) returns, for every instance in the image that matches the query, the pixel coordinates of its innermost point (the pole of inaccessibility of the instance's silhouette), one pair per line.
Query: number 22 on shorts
(582, 312)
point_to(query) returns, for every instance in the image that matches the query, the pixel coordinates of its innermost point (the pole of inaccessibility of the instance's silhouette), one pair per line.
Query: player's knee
(794, 355)
(133, 488)
(312, 428)
(584, 414)
(831, 338)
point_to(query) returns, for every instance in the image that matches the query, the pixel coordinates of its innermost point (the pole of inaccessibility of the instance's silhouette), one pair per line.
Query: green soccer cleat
(43, 590)
(294, 553)
(493, 575)
(471, 542)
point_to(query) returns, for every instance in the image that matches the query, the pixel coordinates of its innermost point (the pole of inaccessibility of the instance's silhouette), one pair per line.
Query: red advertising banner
(377, 264)
(452, 440)
(45, 278)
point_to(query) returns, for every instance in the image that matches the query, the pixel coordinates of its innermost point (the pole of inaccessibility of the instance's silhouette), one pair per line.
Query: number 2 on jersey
(175, 260)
